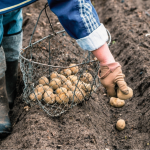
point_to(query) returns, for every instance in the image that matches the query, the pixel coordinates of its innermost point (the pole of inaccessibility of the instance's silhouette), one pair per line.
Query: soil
(91, 125)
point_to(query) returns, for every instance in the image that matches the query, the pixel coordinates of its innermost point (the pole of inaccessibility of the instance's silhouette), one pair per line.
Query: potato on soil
(54, 75)
(123, 96)
(86, 87)
(66, 72)
(62, 98)
(116, 102)
(61, 90)
(49, 97)
(55, 83)
(72, 78)
(120, 125)
(67, 85)
(62, 78)
(36, 95)
(47, 88)
(39, 88)
(74, 69)
(43, 80)
(87, 78)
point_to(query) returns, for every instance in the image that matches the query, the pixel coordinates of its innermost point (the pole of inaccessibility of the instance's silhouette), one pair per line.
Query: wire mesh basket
(57, 73)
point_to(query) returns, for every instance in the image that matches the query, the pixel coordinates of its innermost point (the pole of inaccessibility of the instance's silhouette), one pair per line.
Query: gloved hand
(111, 75)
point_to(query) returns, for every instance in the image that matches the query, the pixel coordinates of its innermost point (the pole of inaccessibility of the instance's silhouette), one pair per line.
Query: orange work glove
(111, 75)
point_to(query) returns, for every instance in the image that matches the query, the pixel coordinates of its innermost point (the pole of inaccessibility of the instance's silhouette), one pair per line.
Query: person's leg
(5, 125)
(12, 44)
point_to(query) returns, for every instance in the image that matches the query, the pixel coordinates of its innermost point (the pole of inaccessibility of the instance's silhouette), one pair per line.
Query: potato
(62, 78)
(39, 88)
(120, 125)
(123, 96)
(39, 95)
(32, 96)
(87, 78)
(79, 84)
(67, 85)
(86, 87)
(78, 97)
(70, 93)
(72, 78)
(36, 95)
(116, 102)
(47, 88)
(66, 72)
(55, 83)
(49, 97)
(39, 85)
(74, 69)
(82, 92)
(43, 80)
(61, 90)
(54, 75)
(73, 88)
(62, 98)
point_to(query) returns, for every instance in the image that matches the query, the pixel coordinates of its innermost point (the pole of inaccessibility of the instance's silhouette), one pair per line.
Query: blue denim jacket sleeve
(81, 21)
(78, 17)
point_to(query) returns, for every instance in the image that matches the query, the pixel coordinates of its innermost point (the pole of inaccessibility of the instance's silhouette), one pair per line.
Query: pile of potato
(63, 88)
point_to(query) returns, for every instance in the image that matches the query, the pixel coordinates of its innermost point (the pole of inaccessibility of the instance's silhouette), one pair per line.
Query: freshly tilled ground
(91, 125)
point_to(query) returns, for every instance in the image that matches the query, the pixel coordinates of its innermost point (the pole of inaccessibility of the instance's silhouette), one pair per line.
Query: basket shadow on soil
(91, 125)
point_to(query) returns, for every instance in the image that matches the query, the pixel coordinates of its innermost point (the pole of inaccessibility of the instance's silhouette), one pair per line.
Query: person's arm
(81, 22)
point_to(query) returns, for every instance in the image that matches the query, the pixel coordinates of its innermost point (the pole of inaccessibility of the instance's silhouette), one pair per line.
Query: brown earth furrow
(128, 25)
(92, 124)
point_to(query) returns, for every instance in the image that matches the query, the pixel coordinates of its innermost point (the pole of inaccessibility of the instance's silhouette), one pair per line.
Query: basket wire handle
(30, 71)
(46, 5)
(30, 42)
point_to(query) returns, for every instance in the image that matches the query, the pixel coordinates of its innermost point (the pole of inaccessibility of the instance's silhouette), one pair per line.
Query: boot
(5, 125)
(11, 80)
(12, 45)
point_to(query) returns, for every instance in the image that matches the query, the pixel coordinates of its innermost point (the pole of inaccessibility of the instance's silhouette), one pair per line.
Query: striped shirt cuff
(95, 40)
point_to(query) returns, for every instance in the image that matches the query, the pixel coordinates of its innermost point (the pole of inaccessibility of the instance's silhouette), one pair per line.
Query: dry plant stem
(104, 55)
